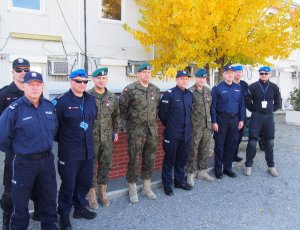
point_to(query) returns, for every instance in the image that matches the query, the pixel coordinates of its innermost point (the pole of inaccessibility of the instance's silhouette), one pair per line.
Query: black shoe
(184, 186)
(35, 216)
(229, 173)
(219, 175)
(6, 220)
(237, 159)
(65, 223)
(168, 190)
(84, 213)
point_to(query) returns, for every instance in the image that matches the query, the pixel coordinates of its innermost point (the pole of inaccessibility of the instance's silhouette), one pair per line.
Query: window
(31, 6)
(28, 4)
(112, 10)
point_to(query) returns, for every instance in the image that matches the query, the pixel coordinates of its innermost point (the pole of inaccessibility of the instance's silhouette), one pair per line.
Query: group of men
(86, 123)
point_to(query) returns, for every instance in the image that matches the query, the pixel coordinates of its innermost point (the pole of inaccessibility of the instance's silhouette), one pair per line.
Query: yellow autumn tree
(216, 32)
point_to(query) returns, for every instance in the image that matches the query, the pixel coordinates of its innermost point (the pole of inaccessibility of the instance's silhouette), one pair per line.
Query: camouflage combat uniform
(107, 121)
(138, 106)
(201, 135)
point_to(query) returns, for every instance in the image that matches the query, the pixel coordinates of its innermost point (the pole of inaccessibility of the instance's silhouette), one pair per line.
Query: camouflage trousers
(102, 162)
(141, 144)
(199, 150)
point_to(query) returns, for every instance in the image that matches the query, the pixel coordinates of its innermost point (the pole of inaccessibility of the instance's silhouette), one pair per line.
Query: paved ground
(256, 202)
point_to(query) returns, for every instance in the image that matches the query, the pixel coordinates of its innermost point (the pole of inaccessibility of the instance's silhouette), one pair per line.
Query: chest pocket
(28, 126)
(237, 96)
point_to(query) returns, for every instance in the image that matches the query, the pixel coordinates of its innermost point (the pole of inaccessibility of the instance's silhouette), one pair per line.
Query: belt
(227, 115)
(36, 156)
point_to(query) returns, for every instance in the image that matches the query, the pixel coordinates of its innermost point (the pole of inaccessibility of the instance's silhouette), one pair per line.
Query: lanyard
(81, 106)
(264, 91)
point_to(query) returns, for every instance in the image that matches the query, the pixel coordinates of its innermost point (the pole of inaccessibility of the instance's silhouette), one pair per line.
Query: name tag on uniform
(264, 104)
(84, 125)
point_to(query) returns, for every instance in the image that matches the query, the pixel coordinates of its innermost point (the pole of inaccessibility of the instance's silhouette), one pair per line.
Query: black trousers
(261, 124)
(176, 155)
(26, 173)
(6, 202)
(225, 142)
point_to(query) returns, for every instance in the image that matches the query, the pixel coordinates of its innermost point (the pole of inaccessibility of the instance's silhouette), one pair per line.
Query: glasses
(19, 70)
(263, 73)
(81, 81)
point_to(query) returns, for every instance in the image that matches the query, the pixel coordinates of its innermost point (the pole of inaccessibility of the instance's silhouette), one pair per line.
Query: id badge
(84, 125)
(264, 104)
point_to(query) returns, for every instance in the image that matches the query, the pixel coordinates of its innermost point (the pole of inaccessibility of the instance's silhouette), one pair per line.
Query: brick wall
(120, 156)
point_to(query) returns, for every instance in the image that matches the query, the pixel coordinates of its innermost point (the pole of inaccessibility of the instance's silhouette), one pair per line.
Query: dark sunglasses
(19, 70)
(263, 73)
(80, 81)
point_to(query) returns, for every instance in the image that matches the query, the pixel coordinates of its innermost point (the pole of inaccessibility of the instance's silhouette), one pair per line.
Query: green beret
(100, 72)
(144, 66)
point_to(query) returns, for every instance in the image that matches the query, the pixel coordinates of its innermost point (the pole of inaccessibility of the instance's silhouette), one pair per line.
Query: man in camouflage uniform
(201, 135)
(138, 105)
(105, 129)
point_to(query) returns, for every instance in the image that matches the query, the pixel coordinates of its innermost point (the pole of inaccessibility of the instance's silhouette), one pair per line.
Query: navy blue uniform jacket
(73, 142)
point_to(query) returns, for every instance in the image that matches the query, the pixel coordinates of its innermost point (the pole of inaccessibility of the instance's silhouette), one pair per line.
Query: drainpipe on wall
(79, 33)
(85, 41)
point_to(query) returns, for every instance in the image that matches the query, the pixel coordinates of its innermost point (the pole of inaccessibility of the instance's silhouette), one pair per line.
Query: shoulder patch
(54, 102)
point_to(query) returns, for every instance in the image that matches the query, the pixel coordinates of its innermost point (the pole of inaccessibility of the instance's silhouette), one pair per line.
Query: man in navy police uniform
(264, 99)
(28, 127)
(227, 118)
(175, 113)
(9, 94)
(76, 112)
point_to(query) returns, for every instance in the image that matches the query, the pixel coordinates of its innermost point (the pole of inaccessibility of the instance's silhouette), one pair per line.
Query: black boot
(84, 213)
(6, 220)
(36, 212)
(65, 223)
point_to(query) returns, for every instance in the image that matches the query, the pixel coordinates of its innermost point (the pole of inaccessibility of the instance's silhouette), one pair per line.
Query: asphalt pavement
(256, 202)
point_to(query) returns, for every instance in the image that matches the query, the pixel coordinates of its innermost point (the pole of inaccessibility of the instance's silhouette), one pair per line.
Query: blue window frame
(27, 4)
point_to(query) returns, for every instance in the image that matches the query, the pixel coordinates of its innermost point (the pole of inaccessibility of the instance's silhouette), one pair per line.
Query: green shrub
(295, 99)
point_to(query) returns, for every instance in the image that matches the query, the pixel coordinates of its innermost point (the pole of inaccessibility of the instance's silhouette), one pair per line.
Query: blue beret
(183, 73)
(201, 73)
(78, 73)
(33, 76)
(100, 72)
(265, 68)
(144, 66)
(238, 68)
(228, 68)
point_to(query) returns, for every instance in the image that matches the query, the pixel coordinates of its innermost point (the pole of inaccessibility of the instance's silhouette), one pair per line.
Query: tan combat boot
(102, 195)
(133, 197)
(93, 204)
(247, 171)
(190, 179)
(147, 191)
(273, 171)
(203, 175)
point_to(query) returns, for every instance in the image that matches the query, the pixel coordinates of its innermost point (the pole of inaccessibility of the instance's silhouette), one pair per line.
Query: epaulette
(4, 87)
(169, 90)
(14, 104)
(54, 101)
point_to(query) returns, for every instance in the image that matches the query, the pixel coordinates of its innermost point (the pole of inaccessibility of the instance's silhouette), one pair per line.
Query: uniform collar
(27, 102)
(261, 82)
(97, 95)
(13, 88)
(180, 90)
(85, 95)
(139, 86)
